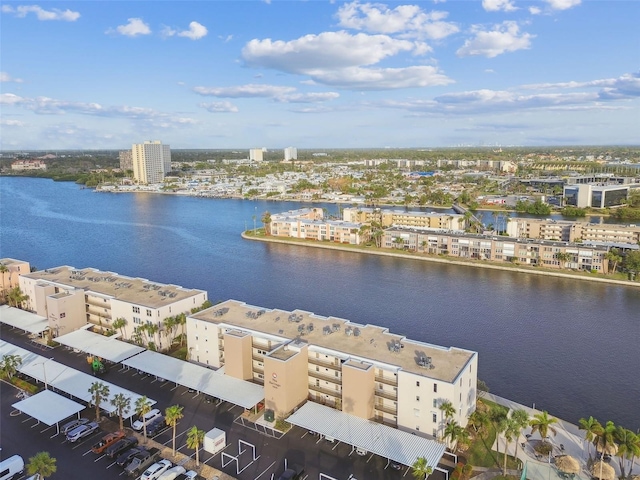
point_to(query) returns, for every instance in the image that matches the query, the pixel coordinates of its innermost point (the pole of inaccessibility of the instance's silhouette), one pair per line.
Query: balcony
(389, 422)
(97, 302)
(257, 358)
(391, 410)
(393, 381)
(326, 391)
(335, 364)
(326, 377)
(98, 312)
(389, 395)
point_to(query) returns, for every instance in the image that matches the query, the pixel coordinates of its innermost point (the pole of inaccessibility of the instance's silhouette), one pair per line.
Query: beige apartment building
(22, 165)
(567, 231)
(309, 223)
(387, 218)
(498, 248)
(10, 273)
(72, 298)
(363, 370)
(151, 161)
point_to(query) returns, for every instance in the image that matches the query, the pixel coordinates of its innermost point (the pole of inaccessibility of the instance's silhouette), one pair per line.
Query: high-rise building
(126, 160)
(291, 153)
(151, 161)
(255, 154)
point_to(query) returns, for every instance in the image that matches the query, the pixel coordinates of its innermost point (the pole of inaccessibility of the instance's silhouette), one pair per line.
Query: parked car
(141, 461)
(156, 426)
(395, 465)
(294, 472)
(155, 470)
(172, 473)
(10, 467)
(190, 475)
(82, 431)
(120, 446)
(146, 419)
(106, 441)
(125, 457)
(361, 451)
(67, 427)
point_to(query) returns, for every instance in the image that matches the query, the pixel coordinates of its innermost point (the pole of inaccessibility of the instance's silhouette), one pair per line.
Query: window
(435, 432)
(417, 384)
(417, 398)
(435, 403)
(148, 313)
(434, 416)
(435, 388)
(416, 412)
(137, 320)
(136, 309)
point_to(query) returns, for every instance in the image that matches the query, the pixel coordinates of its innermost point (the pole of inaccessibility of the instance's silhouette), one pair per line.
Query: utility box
(214, 441)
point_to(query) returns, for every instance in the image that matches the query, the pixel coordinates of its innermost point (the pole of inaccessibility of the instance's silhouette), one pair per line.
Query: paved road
(21, 435)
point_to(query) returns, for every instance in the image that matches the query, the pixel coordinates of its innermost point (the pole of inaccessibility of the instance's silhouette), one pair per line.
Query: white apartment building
(151, 161)
(309, 223)
(72, 298)
(387, 217)
(256, 154)
(568, 231)
(290, 153)
(363, 370)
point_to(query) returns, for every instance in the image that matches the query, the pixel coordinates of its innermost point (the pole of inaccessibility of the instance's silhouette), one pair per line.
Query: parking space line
(111, 464)
(86, 453)
(265, 470)
(100, 457)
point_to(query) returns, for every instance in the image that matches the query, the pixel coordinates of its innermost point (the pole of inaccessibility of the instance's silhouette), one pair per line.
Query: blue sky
(242, 74)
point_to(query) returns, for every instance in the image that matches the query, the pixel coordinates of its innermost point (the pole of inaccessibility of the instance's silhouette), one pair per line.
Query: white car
(155, 470)
(172, 473)
(82, 431)
(146, 419)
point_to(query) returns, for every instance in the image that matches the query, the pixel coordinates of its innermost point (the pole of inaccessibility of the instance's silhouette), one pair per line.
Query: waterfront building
(290, 153)
(22, 165)
(72, 298)
(568, 231)
(363, 370)
(151, 161)
(255, 154)
(597, 196)
(386, 218)
(309, 223)
(498, 248)
(126, 160)
(11, 271)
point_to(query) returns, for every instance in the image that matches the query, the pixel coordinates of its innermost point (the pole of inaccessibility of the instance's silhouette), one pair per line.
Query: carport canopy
(48, 407)
(66, 379)
(202, 379)
(396, 445)
(27, 321)
(109, 348)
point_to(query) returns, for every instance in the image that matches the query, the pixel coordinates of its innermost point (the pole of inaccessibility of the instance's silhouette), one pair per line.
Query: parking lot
(24, 436)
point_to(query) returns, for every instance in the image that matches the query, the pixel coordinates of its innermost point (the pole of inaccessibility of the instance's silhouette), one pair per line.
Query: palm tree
(421, 469)
(142, 407)
(628, 447)
(99, 393)
(521, 419)
(170, 327)
(447, 409)
(152, 329)
(122, 404)
(605, 440)
(480, 421)
(613, 256)
(452, 432)
(181, 319)
(17, 297)
(266, 220)
(41, 464)
(173, 414)
(541, 422)
(511, 432)
(9, 365)
(592, 428)
(501, 426)
(195, 437)
(399, 242)
(119, 324)
(3, 270)
(563, 258)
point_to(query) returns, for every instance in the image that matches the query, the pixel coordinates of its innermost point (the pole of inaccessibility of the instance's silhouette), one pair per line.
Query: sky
(319, 74)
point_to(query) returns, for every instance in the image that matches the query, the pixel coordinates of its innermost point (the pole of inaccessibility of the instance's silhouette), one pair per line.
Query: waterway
(572, 348)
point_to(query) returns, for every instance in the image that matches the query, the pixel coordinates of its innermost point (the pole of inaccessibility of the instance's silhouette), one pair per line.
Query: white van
(11, 466)
(146, 420)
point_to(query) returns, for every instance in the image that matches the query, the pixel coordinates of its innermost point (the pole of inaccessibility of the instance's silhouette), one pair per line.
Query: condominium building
(22, 165)
(151, 161)
(363, 370)
(126, 160)
(256, 154)
(498, 248)
(309, 223)
(567, 231)
(290, 153)
(386, 218)
(10, 272)
(72, 298)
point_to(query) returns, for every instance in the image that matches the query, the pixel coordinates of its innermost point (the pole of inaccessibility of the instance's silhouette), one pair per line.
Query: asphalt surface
(22, 435)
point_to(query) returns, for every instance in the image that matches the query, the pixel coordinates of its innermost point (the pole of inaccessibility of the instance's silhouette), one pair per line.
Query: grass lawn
(479, 453)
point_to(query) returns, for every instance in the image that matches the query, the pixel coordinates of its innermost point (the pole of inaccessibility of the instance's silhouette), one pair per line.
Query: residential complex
(71, 298)
(290, 153)
(11, 271)
(386, 218)
(22, 165)
(256, 154)
(363, 370)
(126, 160)
(151, 161)
(568, 231)
(309, 223)
(498, 248)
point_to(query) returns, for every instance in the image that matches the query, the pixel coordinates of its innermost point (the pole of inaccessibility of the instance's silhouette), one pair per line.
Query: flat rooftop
(368, 342)
(138, 291)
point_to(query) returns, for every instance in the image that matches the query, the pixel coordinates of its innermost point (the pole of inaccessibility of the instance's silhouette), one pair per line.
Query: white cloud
(625, 86)
(338, 58)
(244, 91)
(21, 11)
(196, 31)
(135, 27)
(219, 107)
(499, 5)
(167, 32)
(504, 38)
(315, 97)
(563, 4)
(5, 77)
(11, 123)
(226, 39)
(404, 19)
(535, 11)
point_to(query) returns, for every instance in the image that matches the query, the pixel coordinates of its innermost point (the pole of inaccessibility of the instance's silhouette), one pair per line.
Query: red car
(106, 441)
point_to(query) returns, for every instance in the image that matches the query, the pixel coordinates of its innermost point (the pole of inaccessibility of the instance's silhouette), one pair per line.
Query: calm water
(572, 348)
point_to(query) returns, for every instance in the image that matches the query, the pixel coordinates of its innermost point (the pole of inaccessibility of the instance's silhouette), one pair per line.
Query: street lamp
(44, 371)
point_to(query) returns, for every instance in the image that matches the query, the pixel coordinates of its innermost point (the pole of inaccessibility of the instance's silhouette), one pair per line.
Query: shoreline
(450, 261)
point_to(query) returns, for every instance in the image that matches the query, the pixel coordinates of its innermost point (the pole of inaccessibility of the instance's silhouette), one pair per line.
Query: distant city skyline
(223, 74)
